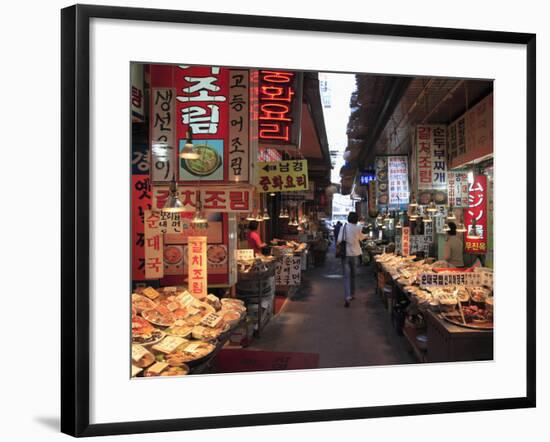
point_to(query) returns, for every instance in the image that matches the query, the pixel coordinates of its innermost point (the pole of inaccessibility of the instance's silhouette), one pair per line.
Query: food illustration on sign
(206, 164)
(173, 254)
(216, 254)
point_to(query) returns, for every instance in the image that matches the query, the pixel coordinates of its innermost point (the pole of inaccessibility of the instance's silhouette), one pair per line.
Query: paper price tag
(168, 344)
(211, 320)
(151, 293)
(192, 348)
(138, 352)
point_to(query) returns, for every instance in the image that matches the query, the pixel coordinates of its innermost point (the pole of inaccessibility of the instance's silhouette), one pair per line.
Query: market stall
(174, 333)
(448, 312)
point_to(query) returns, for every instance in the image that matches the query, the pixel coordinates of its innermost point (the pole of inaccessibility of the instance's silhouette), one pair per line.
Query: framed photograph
(187, 136)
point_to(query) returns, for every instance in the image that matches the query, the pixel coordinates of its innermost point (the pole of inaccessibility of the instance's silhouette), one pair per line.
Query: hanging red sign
(476, 237)
(202, 107)
(279, 113)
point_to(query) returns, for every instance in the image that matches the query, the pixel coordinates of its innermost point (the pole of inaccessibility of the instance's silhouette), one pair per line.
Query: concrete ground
(314, 320)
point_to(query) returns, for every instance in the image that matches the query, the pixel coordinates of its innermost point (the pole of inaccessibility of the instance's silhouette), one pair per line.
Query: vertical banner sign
(457, 188)
(456, 139)
(477, 210)
(431, 157)
(382, 191)
(141, 203)
(202, 107)
(239, 149)
(197, 276)
(372, 199)
(138, 96)
(154, 262)
(288, 271)
(398, 241)
(398, 177)
(280, 108)
(405, 241)
(163, 130)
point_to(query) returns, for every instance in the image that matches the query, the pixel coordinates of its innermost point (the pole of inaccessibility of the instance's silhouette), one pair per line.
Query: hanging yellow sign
(282, 176)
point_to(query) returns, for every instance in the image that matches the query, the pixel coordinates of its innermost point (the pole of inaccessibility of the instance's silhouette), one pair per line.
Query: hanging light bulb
(398, 225)
(432, 208)
(259, 217)
(413, 202)
(266, 214)
(250, 217)
(446, 227)
(426, 218)
(189, 152)
(461, 228)
(414, 214)
(199, 218)
(173, 204)
(272, 194)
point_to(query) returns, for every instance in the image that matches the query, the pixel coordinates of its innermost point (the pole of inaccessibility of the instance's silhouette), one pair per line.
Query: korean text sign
(477, 210)
(457, 189)
(223, 199)
(154, 246)
(455, 278)
(405, 241)
(202, 108)
(282, 176)
(279, 113)
(398, 177)
(197, 276)
(238, 149)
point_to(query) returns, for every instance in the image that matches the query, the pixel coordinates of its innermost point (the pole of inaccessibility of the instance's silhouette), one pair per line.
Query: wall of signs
(431, 163)
(471, 135)
(282, 176)
(398, 181)
(280, 108)
(477, 210)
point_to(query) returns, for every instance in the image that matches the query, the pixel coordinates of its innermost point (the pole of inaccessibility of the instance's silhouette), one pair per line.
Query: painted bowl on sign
(208, 162)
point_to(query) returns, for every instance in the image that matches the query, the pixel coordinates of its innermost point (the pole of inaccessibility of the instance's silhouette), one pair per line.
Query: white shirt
(352, 237)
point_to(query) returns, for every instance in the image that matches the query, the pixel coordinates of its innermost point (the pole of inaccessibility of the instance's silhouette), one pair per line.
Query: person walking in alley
(351, 234)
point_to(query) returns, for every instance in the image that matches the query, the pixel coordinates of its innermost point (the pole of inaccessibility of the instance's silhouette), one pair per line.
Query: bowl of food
(206, 164)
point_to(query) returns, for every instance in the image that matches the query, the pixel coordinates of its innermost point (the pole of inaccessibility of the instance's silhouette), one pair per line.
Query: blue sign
(366, 177)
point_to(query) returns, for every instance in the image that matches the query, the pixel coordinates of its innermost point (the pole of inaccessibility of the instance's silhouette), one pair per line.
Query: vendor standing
(452, 252)
(254, 240)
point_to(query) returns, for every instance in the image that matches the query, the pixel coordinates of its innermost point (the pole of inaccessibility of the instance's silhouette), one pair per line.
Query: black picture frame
(75, 212)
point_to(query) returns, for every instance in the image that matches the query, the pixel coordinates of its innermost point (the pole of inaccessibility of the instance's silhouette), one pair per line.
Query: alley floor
(314, 320)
